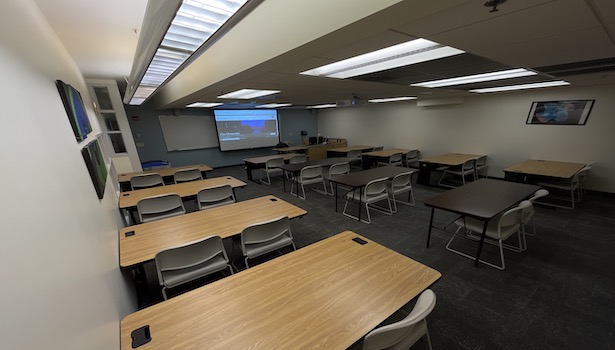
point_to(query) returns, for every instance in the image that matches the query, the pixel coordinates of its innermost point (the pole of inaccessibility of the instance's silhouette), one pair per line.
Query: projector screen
(246, 129)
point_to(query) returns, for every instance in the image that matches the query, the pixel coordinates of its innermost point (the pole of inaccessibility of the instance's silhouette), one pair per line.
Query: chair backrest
(146, 181)
(396, 158)
(215, 196)
(375, 187)
(538, 194)
(182, 264)
(301, 158)
(339, 169)
(185, 175)
(513, 217)
(354, 154)
(311, 172)
(274, 163)
(401, 180)
(580, 175)
(481, 161)
(468, 164)
(392, 334)
(413, 154)
(160, 207)
(261, 233)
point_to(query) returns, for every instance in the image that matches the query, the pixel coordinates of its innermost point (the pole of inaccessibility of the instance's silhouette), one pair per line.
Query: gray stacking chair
(394, 159)
(356, 157)
(186, 175)
(374, 191)
(467, 168)
(411, 159)
(185, 263)
(272, 167)
(146, 181)
(498, 230)
(405, 333)
(160, 207)
(400, 184)
(335, 170)
(572, 186)
(266, 237)
(215, 196)
(300, 158)
(528, 213)
(481, 166)
(309, 175)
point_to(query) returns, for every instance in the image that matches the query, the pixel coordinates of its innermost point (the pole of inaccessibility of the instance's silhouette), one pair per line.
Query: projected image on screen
(246, 129)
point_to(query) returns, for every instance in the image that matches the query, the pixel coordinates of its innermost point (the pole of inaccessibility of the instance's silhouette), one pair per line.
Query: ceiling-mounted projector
(351, 102)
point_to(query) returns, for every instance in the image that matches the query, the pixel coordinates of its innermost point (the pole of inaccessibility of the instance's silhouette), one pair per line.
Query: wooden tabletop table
(326, 295)
(547, 168)
(428, 164)
(483, 200)
(291, 149)
(128, 200)
(259, 162)
(343, 151)
(167, 174)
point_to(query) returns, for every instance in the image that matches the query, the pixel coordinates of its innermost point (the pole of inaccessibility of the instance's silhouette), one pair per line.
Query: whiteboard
(188, 132)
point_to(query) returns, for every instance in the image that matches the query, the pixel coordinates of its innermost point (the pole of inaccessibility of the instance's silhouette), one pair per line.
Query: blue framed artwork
(79, 121)
(93, 157)
(569, 112)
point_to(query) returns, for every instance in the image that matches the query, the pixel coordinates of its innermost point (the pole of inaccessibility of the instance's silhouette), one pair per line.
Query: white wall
(61, 284)
(488, 124)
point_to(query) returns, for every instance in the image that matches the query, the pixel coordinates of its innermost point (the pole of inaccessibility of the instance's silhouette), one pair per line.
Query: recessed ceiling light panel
(391, 99)
(523, 86)
(404, 54)
(247, 94)
(274, 105)
(328, 105)
(204, 104)
(478, 78)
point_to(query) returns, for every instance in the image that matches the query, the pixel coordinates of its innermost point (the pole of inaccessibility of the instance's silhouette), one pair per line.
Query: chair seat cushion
(176, 277)
(492, 228)
(370, 199)
(258, 249)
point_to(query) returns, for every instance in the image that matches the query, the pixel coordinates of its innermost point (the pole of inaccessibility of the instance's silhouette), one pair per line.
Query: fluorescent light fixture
(328, 105)
(274, 105)
(204, 104)
(404, 54)
(522, 86)
(192, 25)
(477, 78)
(391, 99)
(247, 94)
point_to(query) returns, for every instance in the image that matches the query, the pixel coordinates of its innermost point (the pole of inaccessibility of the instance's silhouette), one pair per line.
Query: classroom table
(326, 295)
(359, 179)
(370, 158)
(128, 200)
(533, 169)
(259, 162)
(140, 243)
(428, 164)
(291, 149)
(483, 200)
(295, 169)
(166, 173)
(343, 151)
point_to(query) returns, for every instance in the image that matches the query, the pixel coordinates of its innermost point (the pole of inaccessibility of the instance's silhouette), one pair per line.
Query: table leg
(335, 196)
(430, 226)
(482, 240)
(360, 201)
(284, 181)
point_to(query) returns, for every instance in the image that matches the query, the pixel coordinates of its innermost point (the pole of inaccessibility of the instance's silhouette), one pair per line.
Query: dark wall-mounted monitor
(71, 98)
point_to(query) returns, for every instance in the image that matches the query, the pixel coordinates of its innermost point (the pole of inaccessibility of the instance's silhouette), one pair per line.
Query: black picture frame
(75, 109)
(566, 112)
(95, 162)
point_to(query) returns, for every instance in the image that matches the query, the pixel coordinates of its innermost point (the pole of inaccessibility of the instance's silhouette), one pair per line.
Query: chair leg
(164, 293)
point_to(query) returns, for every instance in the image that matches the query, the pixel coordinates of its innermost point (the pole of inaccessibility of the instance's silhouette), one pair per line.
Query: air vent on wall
(584, 67)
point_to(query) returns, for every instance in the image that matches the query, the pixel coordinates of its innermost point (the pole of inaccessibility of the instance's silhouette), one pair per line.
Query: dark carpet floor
(559, 294)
